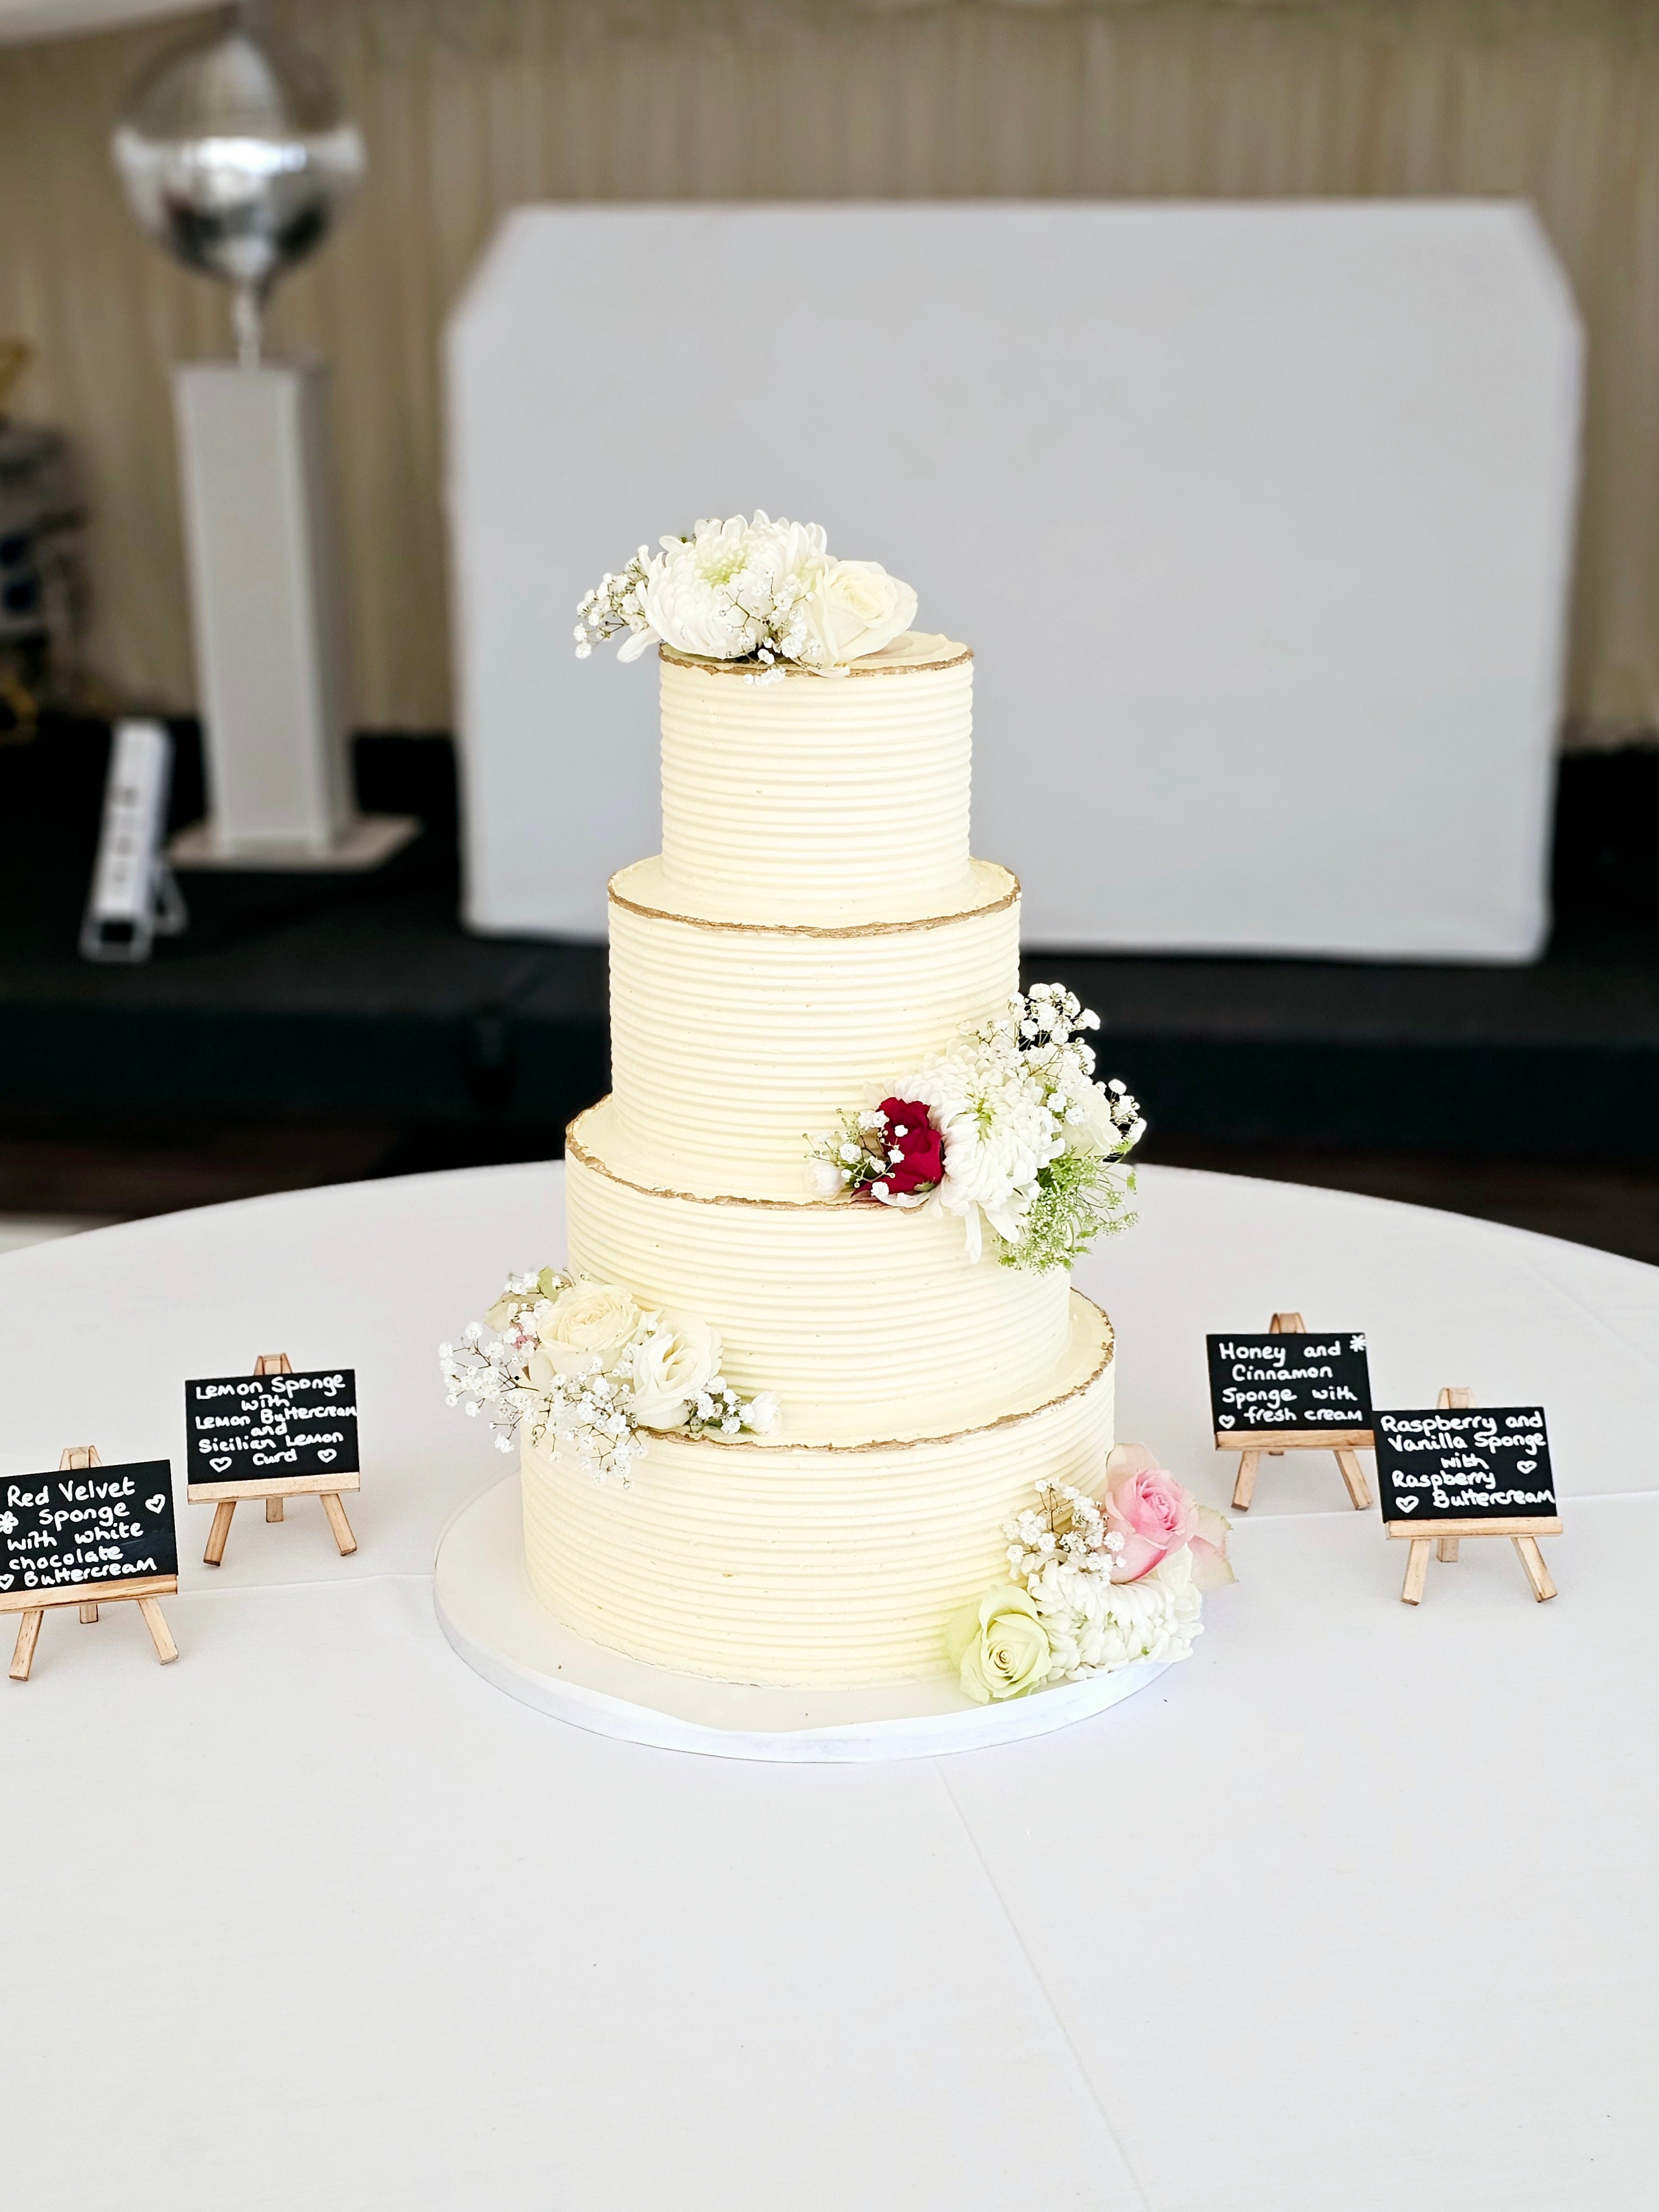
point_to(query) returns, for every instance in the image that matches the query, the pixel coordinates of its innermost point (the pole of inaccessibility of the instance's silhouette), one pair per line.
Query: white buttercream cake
(813, 924)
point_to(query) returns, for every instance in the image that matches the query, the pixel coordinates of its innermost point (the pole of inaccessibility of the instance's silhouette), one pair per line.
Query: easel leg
(337, 1522)
(1244, 1488)
(1354, 1475)
(223, 1512)
(273, 1509)
(1537, 1573)
(88, 1613)
(159, 1634)
(1446, 1548)
(29, 1635)
(1417, 1571)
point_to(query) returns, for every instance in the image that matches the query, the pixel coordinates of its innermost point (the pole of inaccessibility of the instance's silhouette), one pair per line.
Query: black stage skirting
(321, 996)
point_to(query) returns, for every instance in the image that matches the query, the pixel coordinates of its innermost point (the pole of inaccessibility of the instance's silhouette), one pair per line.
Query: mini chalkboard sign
(86, 1536)
(272, 1435)
(1292, 1389)
(1459, 1470)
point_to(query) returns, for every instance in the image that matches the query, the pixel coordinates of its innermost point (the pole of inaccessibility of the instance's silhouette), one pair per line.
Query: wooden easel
(142, 1590)
(1342, 1443)
(1446, 1535)
(226, 1497)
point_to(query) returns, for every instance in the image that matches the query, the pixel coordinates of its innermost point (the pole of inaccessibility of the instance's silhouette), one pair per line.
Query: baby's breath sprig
(718, 1411)
(614, 604)
(592, 1413)
(853, 1155)
(1066, 1525)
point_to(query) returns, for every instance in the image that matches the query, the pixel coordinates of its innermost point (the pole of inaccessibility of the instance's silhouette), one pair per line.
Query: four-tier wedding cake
(815, 1347)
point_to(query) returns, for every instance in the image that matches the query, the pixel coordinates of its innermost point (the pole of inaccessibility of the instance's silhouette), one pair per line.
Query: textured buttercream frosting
(866, 1322)
(772, 1033)
(819, 798)
(760, 1563)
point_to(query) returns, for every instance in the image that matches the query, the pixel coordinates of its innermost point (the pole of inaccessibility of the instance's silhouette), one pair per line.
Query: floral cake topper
(750, 590)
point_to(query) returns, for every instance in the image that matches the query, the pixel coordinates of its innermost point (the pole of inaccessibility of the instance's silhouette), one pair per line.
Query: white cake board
(486, 1610)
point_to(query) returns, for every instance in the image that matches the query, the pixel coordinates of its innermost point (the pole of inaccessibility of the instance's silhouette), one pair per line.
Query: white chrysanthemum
(724, 591)
(997, 1129)
(1094, 1623)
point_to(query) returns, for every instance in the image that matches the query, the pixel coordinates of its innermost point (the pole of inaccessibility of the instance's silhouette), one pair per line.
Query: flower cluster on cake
(1006, 1126)
(781, 1419)
(585, 1367)
(1094, 1582)
(750, 589)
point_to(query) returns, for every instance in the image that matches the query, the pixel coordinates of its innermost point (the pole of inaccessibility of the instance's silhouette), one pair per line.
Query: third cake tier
(733, 1043)
(867, 1322)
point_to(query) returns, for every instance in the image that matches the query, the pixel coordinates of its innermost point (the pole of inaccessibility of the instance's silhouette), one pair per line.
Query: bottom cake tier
(778, 1563)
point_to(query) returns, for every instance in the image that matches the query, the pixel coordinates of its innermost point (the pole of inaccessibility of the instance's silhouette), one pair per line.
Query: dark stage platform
(340, 999)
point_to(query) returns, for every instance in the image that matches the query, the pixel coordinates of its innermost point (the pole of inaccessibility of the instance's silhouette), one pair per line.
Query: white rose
(673, 1362)
(855, 608)
(761, 1414)
(589, 1320)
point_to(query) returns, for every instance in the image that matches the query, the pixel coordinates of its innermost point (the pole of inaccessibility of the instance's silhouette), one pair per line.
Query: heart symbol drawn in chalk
(1408, 1505)
(6, 1581)
(1525, 1466)
(154, 1504)
(325, 1457)
(1225, 1422)
(218, 1465)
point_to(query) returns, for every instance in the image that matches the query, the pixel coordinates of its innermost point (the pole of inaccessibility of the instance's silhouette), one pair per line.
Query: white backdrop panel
(1258, 517)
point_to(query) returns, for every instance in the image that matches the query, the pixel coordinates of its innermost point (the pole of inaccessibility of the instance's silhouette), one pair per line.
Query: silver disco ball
(236, 155)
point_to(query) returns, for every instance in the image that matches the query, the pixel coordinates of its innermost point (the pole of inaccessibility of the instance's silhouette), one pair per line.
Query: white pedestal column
(268, 615)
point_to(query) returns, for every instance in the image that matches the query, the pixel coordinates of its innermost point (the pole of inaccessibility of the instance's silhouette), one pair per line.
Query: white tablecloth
(1353, 1909)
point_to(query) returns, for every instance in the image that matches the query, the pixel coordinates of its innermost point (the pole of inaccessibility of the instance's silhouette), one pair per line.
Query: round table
(1353, 1908)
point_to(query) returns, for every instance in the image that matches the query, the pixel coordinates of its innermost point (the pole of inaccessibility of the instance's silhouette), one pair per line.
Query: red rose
(920, 1148)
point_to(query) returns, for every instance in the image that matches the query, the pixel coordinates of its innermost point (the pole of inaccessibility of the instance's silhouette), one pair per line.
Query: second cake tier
(733, 1043)
(867, 1322)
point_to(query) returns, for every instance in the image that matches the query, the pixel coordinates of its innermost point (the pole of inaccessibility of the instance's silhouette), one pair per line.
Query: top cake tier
(819, 799)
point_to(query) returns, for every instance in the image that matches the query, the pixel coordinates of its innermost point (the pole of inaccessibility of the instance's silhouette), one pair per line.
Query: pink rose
(1154, 1514)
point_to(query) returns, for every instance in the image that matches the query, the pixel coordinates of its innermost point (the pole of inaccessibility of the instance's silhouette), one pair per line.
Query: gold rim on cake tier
(1010, 897)
(888, 662)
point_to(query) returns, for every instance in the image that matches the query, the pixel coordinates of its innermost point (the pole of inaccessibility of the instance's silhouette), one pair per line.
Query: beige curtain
(471, 106)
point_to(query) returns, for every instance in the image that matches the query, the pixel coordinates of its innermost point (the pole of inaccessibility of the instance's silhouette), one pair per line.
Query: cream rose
(587, 1322)
(854, 609)
(998, 1645)
(672, 1363)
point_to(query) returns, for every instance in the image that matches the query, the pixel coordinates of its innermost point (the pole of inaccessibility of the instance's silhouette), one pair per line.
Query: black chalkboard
(260, 1428)
(87, 1524)
(1474, 1463)
(1284, 1384)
